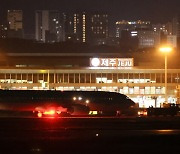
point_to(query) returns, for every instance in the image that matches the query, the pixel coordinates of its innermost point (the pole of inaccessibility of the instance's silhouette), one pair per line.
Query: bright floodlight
(165, 49)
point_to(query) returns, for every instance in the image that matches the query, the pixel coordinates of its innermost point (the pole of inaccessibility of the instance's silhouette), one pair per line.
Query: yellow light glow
(51, 112)
(165, 49)
(39, 114)
(43, 71)
(93, 112)
(87, 101)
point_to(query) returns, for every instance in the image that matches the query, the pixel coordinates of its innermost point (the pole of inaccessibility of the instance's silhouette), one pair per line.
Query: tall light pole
(165, 50)
(48, 79)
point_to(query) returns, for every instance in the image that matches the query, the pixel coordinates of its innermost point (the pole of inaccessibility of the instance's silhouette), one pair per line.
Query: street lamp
(165, 50)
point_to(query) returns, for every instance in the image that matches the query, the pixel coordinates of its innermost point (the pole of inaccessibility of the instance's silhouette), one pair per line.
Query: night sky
(156, 11)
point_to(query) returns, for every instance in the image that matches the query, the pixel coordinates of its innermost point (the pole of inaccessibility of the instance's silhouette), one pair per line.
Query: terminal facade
(144, 86)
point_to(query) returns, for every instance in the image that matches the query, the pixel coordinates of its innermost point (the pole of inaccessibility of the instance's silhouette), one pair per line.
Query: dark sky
(156, 11)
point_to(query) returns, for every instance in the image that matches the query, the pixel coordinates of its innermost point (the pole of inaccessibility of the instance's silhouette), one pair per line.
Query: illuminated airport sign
(111, 62)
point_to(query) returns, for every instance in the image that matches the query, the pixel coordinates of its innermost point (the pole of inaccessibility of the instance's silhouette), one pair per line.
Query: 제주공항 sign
(111, 62)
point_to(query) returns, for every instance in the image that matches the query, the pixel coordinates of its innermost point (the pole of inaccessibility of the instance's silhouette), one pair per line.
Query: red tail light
(49, 111)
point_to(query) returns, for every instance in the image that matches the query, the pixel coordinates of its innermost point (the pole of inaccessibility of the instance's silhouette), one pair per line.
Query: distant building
(169, 28)
(47, 26)
(129, 40)
(3, 31)
(148, 39)
(15, 23)
(62, 27)
(90, 28)
(68, 26)
(98, 28)
(176, 26)
(163, 30)
(29, 36)
(51, 26)
(160, 28)
(131, 26)
(112, 41)
(75, 27)
(172, 40)
(137, 34)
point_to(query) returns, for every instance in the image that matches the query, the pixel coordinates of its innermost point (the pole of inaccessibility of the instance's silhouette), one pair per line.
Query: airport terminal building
(101, 72)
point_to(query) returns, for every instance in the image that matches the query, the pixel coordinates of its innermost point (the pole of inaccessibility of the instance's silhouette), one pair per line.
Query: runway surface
(90, 135)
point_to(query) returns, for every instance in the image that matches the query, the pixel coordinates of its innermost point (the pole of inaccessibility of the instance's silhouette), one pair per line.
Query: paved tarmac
(90, 135)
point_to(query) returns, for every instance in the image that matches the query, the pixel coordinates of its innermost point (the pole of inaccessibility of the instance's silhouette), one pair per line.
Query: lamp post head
(165, 49)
